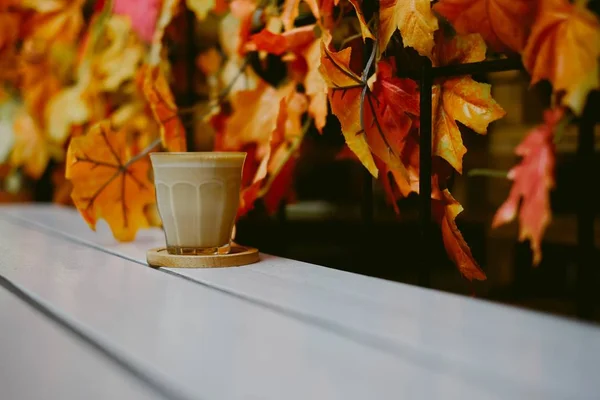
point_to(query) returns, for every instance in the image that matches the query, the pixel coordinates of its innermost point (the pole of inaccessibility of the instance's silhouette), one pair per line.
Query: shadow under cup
(198, 195)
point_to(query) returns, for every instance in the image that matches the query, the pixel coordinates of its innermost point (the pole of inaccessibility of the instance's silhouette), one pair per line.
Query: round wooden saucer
(238, 256)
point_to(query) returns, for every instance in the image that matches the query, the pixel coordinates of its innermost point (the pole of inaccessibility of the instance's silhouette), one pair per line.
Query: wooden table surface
(84, 317)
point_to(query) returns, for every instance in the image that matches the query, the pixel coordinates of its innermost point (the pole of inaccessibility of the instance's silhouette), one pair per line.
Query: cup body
(198, 195)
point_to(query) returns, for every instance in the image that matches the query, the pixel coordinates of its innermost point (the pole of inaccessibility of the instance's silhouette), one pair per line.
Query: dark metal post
(425, 160)
(585, 217)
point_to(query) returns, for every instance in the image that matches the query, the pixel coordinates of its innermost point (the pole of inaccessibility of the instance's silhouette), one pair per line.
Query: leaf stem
(490, 173)
(142, 153)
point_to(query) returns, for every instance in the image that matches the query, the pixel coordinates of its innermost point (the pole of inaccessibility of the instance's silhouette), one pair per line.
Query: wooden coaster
(238, 256)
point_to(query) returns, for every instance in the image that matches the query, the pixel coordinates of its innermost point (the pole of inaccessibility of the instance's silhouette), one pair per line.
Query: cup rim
(207, 155)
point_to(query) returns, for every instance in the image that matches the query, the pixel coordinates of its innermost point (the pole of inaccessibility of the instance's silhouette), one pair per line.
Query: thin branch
(489, 173)
(142, 153)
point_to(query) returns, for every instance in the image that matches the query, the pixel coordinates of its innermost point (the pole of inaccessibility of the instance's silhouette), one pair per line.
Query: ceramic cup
(198, 195)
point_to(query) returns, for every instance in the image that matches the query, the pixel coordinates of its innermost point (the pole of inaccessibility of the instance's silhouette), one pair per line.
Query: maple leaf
(118, 54)
(38, 84)
(413, 18)
(67, 108)
(31, 150)
(364, 26)
(315, 85)
(209, 61)
(369, 126)
(55, 21)
(273, 178)
(533, 179)
(290, 12)
(564, 47)
(142, 15)
(201, 7)
(445, 211)
(158, 95)
(107, 183)
(503, 24)
(254, 116)
(460, 99)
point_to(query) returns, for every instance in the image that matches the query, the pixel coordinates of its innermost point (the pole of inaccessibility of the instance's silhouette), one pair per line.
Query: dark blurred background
(328, 225)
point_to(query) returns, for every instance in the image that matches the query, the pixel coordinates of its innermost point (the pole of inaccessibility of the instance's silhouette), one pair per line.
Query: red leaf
(268, 41)
(445, 212)
(533, 179)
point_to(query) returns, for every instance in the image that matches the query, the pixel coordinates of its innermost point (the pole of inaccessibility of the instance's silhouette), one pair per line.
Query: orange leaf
(345, 99)
(380, 131)
(38, 85)
(161, 100)
(533, 179)
(460, 99)
(267, 41)
(289, 13)
(364, 28)
(254, 117)
(503, 24)
(315, 86)
(564, 48)
(273, 177)
(446, 211)
(209, 61)
(54, 21)
(106, 185)
(201, 7)
(415, 20)
(30, 149)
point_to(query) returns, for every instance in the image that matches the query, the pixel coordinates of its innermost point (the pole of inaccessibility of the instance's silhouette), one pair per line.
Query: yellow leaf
(30, 149)
(106, 185)
(414, 18)
(254, 116)
(66, 109)
(364, 27)
(118, 55)
(346, 86)
(564, 47)
(460, 99)
(201, 7)
(315, 85)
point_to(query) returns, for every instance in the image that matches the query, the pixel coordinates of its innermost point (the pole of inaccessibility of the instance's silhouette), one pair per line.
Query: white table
(83, 316)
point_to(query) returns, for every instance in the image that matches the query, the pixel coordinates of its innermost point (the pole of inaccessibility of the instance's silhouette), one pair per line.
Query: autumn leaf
(345, 99)
(31, 150)
(413, 18)
(364, 26)
(460, 99)
(445, 211)
(564, 48)
(66, 109)
(118, 55)
(107, 184)
(533, 178)
(315, 86)
(209, 61)
(273, 178)
(254, 116)
(55, 21)
(158, 95)
(503, 24)
(142, 15)
(201, 7)
(370, 126)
